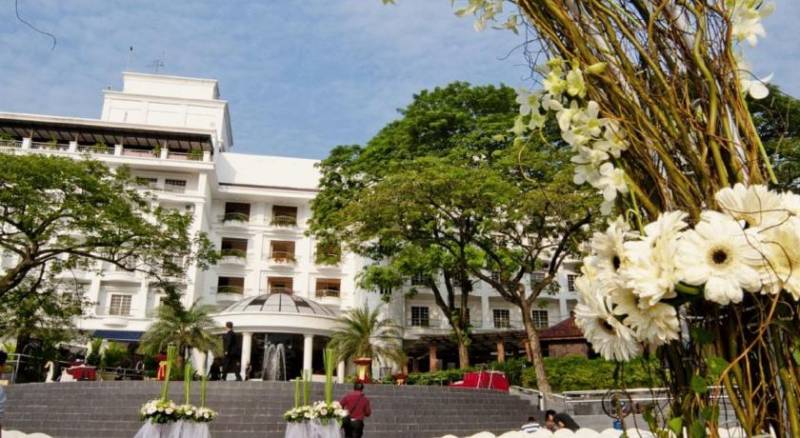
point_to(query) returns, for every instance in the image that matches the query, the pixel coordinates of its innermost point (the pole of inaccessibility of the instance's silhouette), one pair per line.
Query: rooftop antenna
(158, 63)
(130, 56)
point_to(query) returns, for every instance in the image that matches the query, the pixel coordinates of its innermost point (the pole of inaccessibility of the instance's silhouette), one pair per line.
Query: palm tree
(185, 328)
(364, 334)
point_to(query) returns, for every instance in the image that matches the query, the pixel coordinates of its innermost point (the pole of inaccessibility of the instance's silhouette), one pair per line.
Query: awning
(118, 335)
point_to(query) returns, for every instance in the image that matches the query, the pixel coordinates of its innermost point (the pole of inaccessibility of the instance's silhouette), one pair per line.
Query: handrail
(283, 256)
(330, 293)
(235, 216)
(284, 220)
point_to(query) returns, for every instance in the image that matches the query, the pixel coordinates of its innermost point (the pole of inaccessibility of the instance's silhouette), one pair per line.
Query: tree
(185, 328)
(363, 333)
(457, 121)
(58, 214)
(777, 119)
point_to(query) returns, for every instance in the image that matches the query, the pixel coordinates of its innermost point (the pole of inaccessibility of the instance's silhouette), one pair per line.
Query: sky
(300, 76)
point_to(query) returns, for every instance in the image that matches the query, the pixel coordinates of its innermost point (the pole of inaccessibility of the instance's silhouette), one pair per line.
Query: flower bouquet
(701, 269)
(328, 414)
(194, 420)
(161, 416)
(298, 419)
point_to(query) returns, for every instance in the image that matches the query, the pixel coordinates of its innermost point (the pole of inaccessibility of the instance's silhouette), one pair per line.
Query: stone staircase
(255, 409)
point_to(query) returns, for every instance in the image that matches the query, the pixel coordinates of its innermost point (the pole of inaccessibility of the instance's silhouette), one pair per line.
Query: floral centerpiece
(701, 268)
(328, 414)
(299, 418)
(164, 418)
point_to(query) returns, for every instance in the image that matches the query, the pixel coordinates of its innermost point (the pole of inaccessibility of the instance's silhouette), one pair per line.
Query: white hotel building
(174, 134)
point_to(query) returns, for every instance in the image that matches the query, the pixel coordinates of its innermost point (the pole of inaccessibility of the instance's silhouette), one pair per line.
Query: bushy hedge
(571, 373)
(576, 373)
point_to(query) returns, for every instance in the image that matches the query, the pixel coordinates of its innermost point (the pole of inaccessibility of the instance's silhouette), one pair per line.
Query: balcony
(328, 293)
(279, 290)
(235, 220)
(228, 294)
(282, 258)
(284, 216)
(50, 146)
(233, 256)
(9, 144)
(115, 317)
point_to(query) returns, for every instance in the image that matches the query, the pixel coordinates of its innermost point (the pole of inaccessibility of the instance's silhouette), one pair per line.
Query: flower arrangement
(326, 411)
(160, 412)
(300, 414)
(701, 269)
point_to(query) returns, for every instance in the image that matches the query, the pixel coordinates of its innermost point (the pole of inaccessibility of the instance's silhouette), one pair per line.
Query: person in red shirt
(358, 408)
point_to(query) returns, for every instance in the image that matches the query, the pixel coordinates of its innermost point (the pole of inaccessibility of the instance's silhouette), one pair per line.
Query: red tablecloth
(83, 372)
(484, 379)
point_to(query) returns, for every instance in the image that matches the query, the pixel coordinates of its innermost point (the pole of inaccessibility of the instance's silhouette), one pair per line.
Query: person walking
(231, 354)
(358, 408)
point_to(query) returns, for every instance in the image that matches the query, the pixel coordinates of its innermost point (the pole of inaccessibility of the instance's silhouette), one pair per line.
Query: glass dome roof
(279, 303)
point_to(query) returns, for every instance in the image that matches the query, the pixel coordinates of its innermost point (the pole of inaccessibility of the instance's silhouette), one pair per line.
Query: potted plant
(363, 336)
(195, 155)
(157, 151)
(401, 361)
(111, 358)
(93, 359)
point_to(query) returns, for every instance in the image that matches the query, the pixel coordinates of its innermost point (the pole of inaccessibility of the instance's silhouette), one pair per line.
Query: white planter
(326, 429)
(153, 430)
(298, 430)
(191, 429)
(179, 429)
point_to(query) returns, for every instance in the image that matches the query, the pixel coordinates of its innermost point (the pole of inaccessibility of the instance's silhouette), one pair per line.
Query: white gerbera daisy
(608, 336)
(756, 205)
(611, 181)
(608, 247)
(781, 267)
(651, 270)
(656, 325)
(719, 254)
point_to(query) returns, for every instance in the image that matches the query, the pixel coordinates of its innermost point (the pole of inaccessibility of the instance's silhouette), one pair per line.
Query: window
(539, 318)
(328, 287)
(284, 216)
(230, 247)
(537, 277)
(146, 181)
(420, 316)
(175, 185)
(230, 285)
(571, 282)
(280, 285)
(282, 251)
(502, 318)
(495, 275)
(236, 211)
(119, 305)
(418, 280)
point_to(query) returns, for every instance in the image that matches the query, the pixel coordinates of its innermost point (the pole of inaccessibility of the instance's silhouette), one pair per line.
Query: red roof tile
(565, 329)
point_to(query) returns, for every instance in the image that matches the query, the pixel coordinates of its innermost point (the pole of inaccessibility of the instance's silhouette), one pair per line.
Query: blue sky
(301, 76)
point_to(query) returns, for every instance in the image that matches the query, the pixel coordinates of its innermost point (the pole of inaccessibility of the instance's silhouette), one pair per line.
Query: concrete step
(255, 409)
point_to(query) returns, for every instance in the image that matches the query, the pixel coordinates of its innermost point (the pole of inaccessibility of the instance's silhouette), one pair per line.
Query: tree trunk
(535, 349)
(463, 351)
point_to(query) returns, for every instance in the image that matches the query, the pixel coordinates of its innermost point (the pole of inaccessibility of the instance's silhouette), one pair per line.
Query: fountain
(274, 362)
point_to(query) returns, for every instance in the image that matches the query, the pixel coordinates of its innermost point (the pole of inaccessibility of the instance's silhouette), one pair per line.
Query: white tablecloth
(328, 429)
(180, 429)
(298, 430)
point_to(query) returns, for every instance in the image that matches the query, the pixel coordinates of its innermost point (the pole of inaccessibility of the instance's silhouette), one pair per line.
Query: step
(250, 409)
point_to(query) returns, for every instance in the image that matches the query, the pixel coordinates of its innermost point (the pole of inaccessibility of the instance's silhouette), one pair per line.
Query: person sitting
(531, 426)
(564, 421)
(550, 420)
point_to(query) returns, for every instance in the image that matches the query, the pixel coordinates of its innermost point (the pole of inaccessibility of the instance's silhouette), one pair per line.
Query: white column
(26, 142)
(247, 344)
(308, 348)
(73, 146)
(486, 318)
(340, 370)
(562, 307)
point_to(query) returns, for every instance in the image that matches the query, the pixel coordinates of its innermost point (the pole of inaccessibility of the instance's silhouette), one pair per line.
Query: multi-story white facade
(174, 134)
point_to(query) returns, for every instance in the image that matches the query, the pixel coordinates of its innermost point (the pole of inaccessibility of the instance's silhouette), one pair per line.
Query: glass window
(537, 277)
(571, 282)
(458, 312)
(120, 305)
(540, 319)
(420, 316)
(495, 275)
(328, 287)
(146, 181)
(175, 185)
(418, 280)
(502, 318)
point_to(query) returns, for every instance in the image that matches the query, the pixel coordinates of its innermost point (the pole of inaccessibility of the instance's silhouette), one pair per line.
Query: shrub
(571, 373)
(94, 354)
(576, 373)
(113, 355)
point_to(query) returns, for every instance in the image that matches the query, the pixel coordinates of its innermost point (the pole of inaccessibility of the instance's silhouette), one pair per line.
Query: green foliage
(777, 120)
(363, 333)
(94, 356)
(100, 148)
(113, 355)
(574, 373)
(64, 214)
(184, 328)
(195, 154)
(571, 373)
